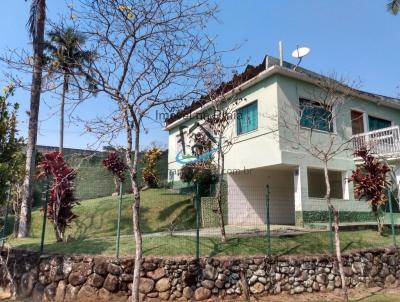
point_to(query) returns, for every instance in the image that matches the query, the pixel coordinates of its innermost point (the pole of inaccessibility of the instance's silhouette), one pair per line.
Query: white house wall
(250, 150)
(289, 93)
(247, 197)
(265, 146)
(278, 99)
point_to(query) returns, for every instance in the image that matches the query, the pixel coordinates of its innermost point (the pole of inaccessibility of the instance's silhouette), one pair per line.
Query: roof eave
(275, 69)
(263, 75)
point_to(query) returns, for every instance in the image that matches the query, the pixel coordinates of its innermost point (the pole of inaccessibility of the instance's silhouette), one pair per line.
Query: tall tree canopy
(393, 6)
(65, 57)
(10, 144)
(36, 26)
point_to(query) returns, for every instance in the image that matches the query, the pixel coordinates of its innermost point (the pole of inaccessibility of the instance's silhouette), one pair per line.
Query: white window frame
(334, 108)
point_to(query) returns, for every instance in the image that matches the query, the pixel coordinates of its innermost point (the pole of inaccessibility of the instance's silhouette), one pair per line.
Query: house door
(357, 122)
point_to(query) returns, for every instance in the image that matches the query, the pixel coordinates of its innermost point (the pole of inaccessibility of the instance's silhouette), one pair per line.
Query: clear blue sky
(355, 38)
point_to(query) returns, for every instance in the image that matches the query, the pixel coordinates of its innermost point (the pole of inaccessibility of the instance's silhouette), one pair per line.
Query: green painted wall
(93, 180)
(344, 216)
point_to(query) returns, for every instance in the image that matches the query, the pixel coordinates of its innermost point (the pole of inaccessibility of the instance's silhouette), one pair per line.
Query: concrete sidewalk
(246, 231)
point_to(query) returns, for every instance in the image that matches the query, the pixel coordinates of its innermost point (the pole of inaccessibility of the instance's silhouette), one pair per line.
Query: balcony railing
(382, 142)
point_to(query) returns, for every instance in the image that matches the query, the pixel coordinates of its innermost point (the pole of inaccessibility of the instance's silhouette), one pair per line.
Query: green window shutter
(247, 118)
(375, 123)
(240, 120)
(253, 116)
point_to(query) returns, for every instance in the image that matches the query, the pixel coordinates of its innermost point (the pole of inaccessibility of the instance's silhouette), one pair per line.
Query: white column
(346, 185)
(397, 173)
(300, 192)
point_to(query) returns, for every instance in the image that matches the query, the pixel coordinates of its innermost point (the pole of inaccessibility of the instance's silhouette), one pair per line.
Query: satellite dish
(299, 53)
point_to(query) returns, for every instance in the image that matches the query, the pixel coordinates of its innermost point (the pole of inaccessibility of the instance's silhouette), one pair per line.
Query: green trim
(396, 218)
(344, 216)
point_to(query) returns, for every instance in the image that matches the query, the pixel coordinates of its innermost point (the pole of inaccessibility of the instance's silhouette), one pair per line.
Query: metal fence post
(4, 233)
(197, 200)
(44, 216)
(119, 220)
(268, 222)
(392, 218)
(330, 231)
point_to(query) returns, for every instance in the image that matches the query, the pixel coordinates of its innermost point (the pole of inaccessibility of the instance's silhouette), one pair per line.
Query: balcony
(383, 142)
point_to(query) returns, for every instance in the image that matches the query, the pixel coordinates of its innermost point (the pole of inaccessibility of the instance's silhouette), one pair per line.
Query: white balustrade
(382, 142)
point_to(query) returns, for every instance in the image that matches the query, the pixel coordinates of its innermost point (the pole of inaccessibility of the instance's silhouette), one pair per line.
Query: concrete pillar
(347, 187)
(397, 174)
(300, 193)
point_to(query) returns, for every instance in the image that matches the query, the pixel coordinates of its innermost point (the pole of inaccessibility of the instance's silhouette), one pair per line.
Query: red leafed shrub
(61, 196)
(370, 182)
(116, 166)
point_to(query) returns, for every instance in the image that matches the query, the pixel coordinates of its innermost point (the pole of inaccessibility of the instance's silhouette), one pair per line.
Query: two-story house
(262, 155)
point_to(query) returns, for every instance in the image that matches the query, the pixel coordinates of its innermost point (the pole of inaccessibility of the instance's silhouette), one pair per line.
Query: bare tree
(149, 53)
(36, 28)
(311, 126)
(217, 125)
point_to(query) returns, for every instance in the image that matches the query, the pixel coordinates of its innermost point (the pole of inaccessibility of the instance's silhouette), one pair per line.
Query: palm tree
(393, 6)
(66, 57)
(36, 24)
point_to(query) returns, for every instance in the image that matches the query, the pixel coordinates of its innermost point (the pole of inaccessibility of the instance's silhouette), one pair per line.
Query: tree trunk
(133, 166)
(116, 185)
(16, 209)
(15, 227)
(62, 108)
(59, 233)
(336, 228)
(26, 204)
(379, 222)
(56, 215)
(138, 240)
(221, 162)
(16, 204)
(339, 252)
(136, 222)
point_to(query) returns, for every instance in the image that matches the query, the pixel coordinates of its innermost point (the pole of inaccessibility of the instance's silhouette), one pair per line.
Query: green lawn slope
(94, 231)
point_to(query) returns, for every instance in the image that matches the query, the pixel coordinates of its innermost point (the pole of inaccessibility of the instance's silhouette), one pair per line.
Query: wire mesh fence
(259, 220)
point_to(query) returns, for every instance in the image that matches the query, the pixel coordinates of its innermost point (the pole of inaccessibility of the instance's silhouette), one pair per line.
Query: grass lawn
(375, 294)
(94, 231)
(390, 297)
(98, 217)
(166, 245)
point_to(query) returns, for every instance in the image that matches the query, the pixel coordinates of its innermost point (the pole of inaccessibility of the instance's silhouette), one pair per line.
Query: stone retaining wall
(87, 278)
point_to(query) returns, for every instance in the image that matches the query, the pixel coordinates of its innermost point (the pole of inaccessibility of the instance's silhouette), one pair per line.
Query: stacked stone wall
(87, 278)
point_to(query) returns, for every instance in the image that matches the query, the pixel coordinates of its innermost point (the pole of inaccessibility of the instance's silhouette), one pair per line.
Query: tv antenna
(299, 53)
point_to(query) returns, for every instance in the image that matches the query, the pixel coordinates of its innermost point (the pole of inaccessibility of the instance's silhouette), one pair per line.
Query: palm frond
(64, 47)
(33, 17)
(393, 7)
